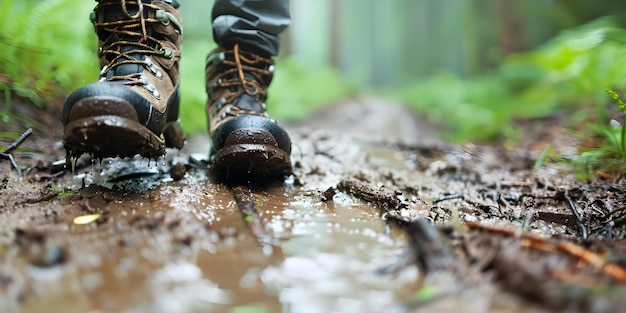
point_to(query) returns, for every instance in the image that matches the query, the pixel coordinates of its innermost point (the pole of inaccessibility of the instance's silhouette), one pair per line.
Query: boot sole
(111, 136)
(251, 161)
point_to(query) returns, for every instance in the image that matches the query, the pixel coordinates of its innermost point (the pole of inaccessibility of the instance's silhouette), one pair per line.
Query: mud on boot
(133, 108)
(246, 143)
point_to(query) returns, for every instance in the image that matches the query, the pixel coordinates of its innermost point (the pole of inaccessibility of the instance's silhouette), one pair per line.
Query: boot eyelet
(220, 105)
(215, 58)
(216, 83)
(166, 52)
(92, 16)
(166, 18)
(152, 67)
(162, 16)
(152, 90)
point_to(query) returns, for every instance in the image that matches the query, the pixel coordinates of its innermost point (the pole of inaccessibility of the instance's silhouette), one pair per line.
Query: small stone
(329, 194)
(178, 171)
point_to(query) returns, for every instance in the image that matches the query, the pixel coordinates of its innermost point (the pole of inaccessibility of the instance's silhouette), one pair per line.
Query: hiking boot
(246, 143)
(133, 108)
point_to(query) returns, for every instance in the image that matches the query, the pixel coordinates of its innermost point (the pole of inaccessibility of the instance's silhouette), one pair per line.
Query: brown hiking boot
(246, 144)
(133, 108)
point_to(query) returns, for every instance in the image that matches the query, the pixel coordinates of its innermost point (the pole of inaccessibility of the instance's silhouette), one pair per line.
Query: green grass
(607, 156)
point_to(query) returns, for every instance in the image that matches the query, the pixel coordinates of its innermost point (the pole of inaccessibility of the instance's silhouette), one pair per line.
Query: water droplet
(74, 161)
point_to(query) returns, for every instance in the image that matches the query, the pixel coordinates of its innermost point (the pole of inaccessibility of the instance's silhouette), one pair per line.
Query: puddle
(328, 256)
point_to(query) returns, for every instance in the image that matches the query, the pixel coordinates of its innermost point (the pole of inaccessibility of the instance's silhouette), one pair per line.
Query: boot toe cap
(248, 128)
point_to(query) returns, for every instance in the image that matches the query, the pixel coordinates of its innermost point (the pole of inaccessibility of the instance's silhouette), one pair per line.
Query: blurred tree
(383, 43)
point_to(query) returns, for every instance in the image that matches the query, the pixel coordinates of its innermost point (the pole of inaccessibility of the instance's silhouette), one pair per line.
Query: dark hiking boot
(133, 108)
(246, 143)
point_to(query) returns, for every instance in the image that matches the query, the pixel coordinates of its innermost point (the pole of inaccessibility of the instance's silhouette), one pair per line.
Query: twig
(430, 250)
(6, 153)
(246, 202)
(622, 208)
(537, 242)
(579, 220)
(512, 183)
(448, 198)
(386, 198)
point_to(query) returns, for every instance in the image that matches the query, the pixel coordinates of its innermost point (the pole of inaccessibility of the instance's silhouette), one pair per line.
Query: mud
(379, 216)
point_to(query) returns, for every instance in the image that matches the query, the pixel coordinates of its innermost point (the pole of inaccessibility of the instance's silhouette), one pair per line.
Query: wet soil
(379, 216)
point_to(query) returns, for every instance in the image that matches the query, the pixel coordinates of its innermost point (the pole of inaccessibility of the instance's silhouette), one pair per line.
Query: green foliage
(477, 108)
(547, 151)
(608, 154)
(61, 191)
(192, 85)
(250, 309)
(297, 89)
(426, 293)
(46, 47)
(568, 72)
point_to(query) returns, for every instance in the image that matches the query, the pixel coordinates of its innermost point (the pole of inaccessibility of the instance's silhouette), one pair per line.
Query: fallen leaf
(86, 219)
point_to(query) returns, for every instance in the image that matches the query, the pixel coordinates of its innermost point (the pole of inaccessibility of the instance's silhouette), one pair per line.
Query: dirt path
(379, 217)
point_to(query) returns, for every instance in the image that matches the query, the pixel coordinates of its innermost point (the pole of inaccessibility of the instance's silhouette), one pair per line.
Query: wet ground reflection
(183, 246)
(329, 257)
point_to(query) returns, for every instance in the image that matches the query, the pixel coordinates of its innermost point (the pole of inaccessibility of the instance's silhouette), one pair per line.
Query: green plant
(566, 73)
(44, 48)
(297, 89)
(61, 191)
(607, 157)
(543, 157)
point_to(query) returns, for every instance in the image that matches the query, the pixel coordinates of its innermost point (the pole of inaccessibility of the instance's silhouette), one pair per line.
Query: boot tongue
(130, 68)
(116, 13)
(248, 103)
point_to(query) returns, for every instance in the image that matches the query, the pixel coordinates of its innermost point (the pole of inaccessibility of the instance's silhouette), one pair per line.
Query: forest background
(472, 66)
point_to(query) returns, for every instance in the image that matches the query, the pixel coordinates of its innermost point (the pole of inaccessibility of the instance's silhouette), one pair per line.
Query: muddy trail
(379, 216)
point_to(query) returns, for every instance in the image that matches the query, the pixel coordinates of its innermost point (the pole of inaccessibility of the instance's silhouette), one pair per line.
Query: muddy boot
(133, 108)
(246, 143)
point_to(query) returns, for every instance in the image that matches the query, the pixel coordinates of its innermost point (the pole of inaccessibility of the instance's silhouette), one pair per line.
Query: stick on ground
(246, 203)
(6, 153)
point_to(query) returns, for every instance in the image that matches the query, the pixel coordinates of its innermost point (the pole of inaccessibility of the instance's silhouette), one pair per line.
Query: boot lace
(129, 38)
(248, 74)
